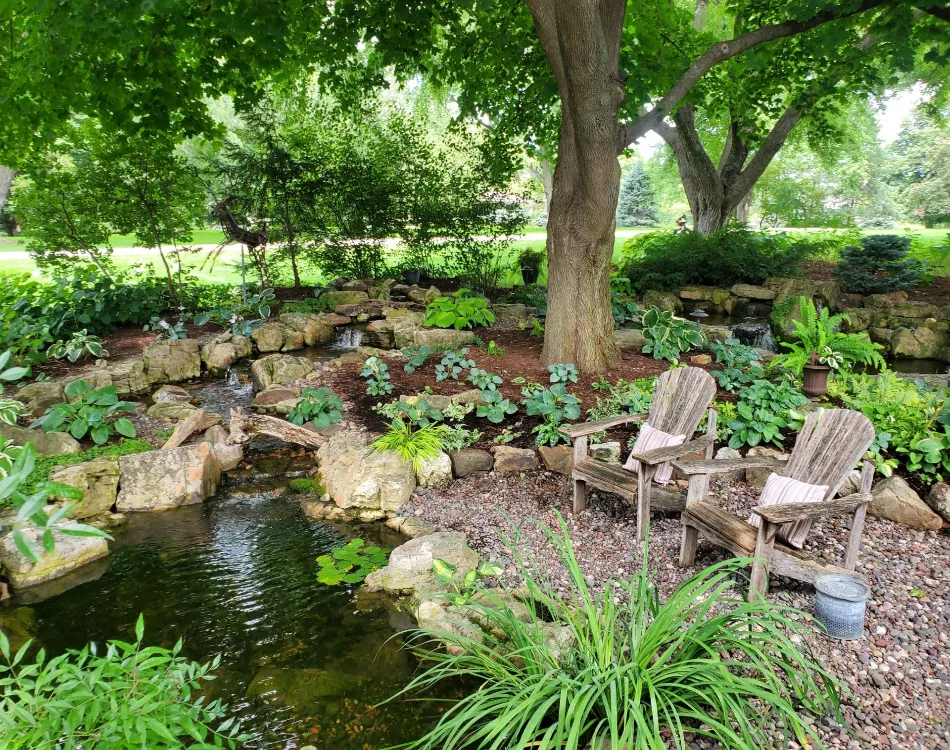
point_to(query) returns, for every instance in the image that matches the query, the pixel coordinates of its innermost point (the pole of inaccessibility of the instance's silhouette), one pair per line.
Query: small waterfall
(758, 335)
(348, 338)
(232, 379)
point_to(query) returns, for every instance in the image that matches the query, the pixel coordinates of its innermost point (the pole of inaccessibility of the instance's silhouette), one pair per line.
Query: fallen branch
(245, 426)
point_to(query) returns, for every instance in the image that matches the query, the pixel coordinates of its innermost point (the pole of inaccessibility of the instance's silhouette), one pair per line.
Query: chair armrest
(795, 511)
(662, 455)
(721, 466)
(590, 428)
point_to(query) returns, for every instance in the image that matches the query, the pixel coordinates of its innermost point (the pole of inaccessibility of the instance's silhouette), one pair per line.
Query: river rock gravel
(898, 674)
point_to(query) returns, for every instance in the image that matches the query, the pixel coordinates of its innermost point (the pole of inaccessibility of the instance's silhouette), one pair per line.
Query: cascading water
(348, 338)
(232, 379)
(757, 334)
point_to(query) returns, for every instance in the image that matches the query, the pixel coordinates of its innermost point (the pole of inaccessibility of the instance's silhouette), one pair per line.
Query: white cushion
(650, 439)
(780, 490)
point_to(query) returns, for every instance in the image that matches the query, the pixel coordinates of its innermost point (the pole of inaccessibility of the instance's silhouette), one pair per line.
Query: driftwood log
(185, 428)
(245, 426)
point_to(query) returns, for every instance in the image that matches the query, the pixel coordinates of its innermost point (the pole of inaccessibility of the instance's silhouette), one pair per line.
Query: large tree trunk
(6, 180)
(582, 43)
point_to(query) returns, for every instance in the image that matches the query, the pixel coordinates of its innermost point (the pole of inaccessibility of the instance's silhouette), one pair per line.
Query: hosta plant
(764, 413)
(624, 668)
(461, 310)
(10, 409)
(741, 364)
(553, 405)
(89, 411)
(165, 330)
(819, 335)
(563, 373)
(319, 405)
(484, 381)
(376, 373)
(495, 407)
(417, 411)
(668, 337)
(350, 563)
(123, 696)
(416, 357)
(453, 364)
(463, 588)
(78, 345)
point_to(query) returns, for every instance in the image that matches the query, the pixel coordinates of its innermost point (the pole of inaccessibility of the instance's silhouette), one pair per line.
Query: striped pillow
(648, 440)
(780, 490)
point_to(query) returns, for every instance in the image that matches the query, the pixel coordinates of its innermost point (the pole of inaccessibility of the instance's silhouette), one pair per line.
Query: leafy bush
(819, 334)
(417, 357)
(554, 405)
(77, 346)
(165, 330)
(740, 364)
(452, 364)
(910, 421)
(531, 257)
(563, 373)
(495, 407)
(376, 373)
(879, 265)
(89, 411)
(350, 563)
(129, 696)
(319, 405)
(665, 260)
(484, 381)
(415, 445)
(532, 295)
(624, 310)
(765, 410)
(459, 311)
(624, 668)
(668, 337)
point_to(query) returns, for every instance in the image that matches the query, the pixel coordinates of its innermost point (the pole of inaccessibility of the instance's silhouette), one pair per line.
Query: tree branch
(722, 51)
(742, 184)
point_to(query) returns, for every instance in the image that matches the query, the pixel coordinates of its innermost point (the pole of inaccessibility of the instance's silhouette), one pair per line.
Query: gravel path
(899, 672)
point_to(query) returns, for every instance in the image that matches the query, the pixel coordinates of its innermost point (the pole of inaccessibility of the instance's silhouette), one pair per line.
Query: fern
(819, 333)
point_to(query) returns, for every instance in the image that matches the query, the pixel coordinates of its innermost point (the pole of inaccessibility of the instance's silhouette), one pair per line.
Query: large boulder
(751, 291)
(277, 337)
(470, 461)
(939, 499)
(70, 552)
(896, 501)
(229, 456)
(172, 361)
(441, 338)
(279, 369)
(223, 351)
(918, 343)
(663, 300)
(435, 472)
(559, 458)
(38, 397)
(98, 480)
(344, 298)
(171, 393)
(160, 480)
(424, 296)
(46, 443)
(410, 565)
(356, 476)
(785, 287)
(629, 338)
(517, 460)
(314, 328)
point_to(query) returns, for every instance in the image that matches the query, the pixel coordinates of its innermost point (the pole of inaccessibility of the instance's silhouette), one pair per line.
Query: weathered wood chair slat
(830, 445)
(681, 397)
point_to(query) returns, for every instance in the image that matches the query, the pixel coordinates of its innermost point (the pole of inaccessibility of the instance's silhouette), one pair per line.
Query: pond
(301, 664)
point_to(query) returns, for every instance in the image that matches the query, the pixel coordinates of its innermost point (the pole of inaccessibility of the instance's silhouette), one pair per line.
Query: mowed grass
(226, 270)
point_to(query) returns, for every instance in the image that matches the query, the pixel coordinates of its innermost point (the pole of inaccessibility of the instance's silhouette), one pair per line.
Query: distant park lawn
(226, 271)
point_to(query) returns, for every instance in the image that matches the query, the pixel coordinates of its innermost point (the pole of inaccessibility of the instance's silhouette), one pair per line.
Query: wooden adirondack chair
(681, 397)
(828, 448)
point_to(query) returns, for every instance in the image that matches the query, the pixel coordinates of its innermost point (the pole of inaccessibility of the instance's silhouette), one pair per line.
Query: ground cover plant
(88, 410)
(627, 668)
(128, 695)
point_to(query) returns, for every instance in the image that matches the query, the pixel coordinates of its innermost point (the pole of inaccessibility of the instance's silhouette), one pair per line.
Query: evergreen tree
(636, 206)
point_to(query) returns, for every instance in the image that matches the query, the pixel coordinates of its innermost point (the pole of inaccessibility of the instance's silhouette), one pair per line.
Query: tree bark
(6, 180)
(582, 43)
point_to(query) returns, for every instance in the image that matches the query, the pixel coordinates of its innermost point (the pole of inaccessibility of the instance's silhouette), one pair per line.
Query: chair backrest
(680, 398)
(829, 447)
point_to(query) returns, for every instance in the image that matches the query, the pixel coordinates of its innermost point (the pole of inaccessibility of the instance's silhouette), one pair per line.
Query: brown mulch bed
(938, 293)
(522, 358)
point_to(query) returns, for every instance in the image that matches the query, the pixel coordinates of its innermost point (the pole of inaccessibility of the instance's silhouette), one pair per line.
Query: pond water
(301, 664)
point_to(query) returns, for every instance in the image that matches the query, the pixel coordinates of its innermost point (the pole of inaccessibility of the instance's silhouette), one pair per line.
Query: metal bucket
(840, 603)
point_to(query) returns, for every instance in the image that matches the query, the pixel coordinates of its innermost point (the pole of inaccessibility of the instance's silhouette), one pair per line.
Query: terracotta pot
(815, 380)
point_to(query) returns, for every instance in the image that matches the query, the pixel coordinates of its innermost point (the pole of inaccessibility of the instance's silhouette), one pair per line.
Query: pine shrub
(878, 266)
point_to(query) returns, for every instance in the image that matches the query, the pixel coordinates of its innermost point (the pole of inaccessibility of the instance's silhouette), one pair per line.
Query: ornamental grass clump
(627, 669)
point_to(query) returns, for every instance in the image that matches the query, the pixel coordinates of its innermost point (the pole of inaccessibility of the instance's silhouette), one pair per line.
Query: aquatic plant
(623, 668)
(350, 563)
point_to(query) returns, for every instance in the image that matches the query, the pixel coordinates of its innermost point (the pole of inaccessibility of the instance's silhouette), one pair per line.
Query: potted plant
(529, 261)
(411, 275)
(820, 347)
